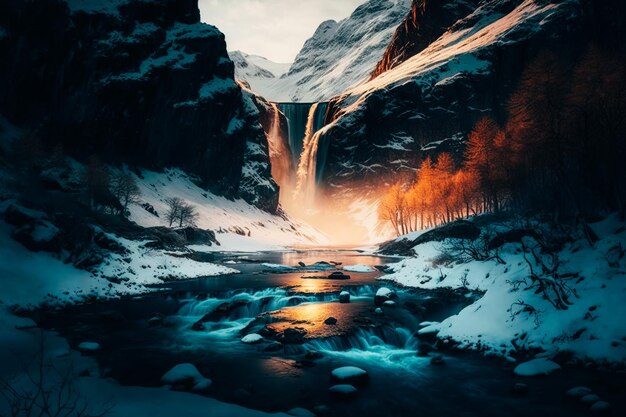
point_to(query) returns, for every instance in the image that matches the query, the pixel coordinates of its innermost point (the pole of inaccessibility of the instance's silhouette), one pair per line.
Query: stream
(202, 322)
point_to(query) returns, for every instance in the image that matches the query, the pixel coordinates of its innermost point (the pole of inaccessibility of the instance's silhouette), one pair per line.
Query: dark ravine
(144, 84)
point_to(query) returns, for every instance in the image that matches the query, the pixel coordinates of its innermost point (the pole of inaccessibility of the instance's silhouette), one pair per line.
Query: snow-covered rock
(600, 407)
(300, 412)
(359, 268)
(578, 392)
(343, 390)
(536, 367)
(383, 295)
(186, 375)
(252, 338)
(349, 374)
(89, 346)
(590, 398)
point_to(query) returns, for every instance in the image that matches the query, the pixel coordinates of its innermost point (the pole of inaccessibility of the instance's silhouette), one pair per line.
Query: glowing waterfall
(305, 175)
(280, 154)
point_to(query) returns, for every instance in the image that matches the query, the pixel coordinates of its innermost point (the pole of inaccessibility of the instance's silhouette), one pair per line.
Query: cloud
(275, 29)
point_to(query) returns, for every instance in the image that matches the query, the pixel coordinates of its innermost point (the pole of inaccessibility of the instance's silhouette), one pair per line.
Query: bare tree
(174, 206)
(187, 215)
(47, 391)
(125, 188)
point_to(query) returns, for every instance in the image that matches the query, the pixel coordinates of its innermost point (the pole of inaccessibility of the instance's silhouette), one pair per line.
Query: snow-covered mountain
(339, 54)
(138, 82)
(428, 102)
(259, 73)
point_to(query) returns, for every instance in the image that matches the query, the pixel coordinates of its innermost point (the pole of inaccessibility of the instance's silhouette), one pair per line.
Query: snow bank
(19, 347)
(510, 318)
(240, 226)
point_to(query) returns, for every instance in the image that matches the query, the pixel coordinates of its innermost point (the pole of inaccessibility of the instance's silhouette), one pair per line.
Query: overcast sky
(275, 29)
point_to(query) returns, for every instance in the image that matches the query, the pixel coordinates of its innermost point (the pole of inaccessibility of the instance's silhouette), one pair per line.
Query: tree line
(560, 153)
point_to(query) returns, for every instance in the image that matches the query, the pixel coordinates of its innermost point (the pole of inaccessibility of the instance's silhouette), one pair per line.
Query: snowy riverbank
(512, 318)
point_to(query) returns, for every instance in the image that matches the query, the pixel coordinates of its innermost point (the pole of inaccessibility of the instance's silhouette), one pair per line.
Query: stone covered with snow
(536, 367)
(186, 376)
(252, 339)
(350, 374)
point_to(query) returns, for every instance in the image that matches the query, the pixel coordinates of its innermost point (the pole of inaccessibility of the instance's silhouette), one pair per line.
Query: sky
(275, 29)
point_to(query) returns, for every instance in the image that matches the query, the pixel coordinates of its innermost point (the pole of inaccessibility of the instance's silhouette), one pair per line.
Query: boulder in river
(519, 389)
(600, 407)
(300, 412)
(89, 346)
(349, 375)
(292, 335)
(384, 294)
(252, 339)
(185, 376)
(578, 392)
(344, 297)
(273, 347)
(330, 321)
(343, 391)
(536, 367)
(590, 398)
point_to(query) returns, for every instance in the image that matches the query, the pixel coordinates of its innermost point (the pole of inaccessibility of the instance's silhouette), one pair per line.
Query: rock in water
(89, 346)
(344, 297)
(350, 375)
(437, 360)
(600, 407)
(273, 347)
(384, 294)
(578, 392)
(536, 367)
(185, 376)
(300, 412)
(520, 389)
(590, 398)
(252, 338)
(330, 321)
(293, 335)
(343, 391)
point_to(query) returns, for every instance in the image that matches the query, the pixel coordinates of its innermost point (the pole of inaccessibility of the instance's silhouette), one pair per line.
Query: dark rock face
(426, 21)
(381, 131)
(460, 229)
(139, 82)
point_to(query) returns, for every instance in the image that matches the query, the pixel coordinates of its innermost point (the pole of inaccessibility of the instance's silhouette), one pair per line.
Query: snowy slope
(511, 317)
(426, 104)
(339, 54)
(239, 225)
(258, 72)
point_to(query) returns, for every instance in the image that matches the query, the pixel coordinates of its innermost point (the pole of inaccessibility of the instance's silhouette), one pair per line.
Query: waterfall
(304, 122)
(280, 153)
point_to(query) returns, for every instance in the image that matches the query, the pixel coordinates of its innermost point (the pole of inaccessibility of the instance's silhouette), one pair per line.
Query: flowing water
(403, 382)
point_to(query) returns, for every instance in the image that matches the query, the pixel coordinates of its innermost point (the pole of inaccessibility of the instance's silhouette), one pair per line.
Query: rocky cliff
(428, 103)
(426, 22)
(141, 82)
